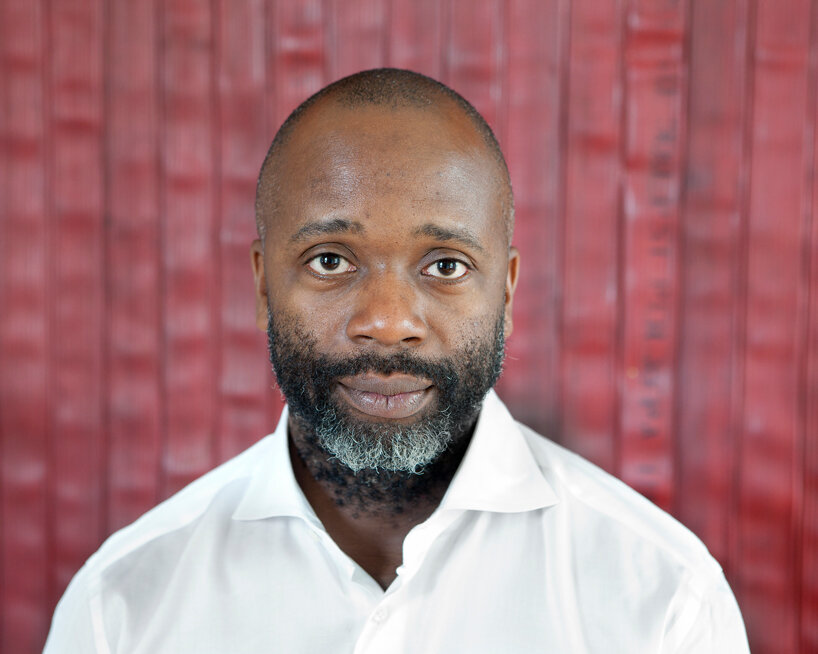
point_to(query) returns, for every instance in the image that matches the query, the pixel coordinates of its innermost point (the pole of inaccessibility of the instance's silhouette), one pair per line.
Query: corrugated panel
(242, 126)
(299, 56)
(710, 248)
(360, 36)
(134, 274)
(593, 173)
(653, 129)
(537, 49)
(778, 200)
(414, 39)
(808, 591)
(190, 255)
(25, 522)
(475, 56)
(663, 156)
(76, 286)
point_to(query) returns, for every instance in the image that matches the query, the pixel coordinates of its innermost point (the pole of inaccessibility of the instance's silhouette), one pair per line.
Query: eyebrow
(334, 226)
(460, 235)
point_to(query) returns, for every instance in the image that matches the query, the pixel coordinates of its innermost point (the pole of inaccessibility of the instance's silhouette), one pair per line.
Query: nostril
(389, 311)
(405, 328)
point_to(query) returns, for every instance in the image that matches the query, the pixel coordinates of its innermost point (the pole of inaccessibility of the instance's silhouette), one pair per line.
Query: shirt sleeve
(705, 619)
(72, 627)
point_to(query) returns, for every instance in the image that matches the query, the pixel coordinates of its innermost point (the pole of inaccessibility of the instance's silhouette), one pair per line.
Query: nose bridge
(388, 310)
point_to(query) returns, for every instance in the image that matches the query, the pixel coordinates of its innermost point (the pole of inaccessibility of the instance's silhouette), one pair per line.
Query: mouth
(392, 397)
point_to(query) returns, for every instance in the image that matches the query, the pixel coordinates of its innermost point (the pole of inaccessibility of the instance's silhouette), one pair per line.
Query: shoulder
(145, 547)
(637, 557)
(613, 510)
(76, 625)
(216, 491)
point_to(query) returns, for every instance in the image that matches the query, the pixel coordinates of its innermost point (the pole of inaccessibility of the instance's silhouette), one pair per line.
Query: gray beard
(362, 446)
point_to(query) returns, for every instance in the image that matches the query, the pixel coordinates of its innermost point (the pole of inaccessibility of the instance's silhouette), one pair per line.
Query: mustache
(326, 369)
(370, 362)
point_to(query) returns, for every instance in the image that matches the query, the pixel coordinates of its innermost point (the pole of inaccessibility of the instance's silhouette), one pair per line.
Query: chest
(480, 586)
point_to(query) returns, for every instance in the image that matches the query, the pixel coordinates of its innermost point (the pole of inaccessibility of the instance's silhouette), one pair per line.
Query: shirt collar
(498, 473)
(273, 490)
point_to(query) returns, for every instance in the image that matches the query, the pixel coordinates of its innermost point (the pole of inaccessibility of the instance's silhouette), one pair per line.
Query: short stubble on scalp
(382, 87)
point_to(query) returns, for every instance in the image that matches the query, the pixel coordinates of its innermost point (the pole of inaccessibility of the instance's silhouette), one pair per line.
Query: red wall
(663, 157)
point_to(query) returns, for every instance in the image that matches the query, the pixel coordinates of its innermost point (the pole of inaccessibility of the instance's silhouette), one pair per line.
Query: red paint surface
(710, 310)
(27, 560)
(588, 295)
(663, 156)
(134, 393)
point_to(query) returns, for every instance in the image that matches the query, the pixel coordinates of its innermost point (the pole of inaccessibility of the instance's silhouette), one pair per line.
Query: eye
(330, 264)
(446, 269)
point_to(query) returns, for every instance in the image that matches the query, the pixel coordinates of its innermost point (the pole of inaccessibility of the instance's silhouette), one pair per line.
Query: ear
(511, 285)
(260, 283)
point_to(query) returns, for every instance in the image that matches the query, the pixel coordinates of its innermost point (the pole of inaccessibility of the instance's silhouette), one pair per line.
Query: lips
(393, 397)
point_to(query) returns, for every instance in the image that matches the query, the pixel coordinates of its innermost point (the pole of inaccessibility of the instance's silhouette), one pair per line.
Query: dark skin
(389, 233)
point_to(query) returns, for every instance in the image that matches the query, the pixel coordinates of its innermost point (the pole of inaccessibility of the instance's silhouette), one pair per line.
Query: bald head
(386, 89)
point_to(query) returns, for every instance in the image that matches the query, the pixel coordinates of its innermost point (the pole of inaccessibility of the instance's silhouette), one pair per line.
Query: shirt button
(380, 614)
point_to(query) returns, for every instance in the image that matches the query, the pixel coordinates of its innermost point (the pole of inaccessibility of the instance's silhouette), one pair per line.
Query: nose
(387, 311)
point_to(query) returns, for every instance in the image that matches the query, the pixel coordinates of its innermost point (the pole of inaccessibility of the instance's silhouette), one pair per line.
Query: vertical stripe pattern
(664, 156)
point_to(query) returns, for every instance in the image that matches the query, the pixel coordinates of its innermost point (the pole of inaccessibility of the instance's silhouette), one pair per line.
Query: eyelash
(330, 255)
(447, 277)
(352, 268)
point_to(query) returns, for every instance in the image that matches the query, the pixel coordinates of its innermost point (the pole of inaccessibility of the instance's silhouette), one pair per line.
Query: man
(397, 507)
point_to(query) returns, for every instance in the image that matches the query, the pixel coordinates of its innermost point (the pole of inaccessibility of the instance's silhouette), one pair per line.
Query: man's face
(388, 278)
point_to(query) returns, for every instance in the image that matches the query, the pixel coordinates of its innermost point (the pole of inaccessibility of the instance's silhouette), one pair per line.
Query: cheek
(463, 332)
(311, 318)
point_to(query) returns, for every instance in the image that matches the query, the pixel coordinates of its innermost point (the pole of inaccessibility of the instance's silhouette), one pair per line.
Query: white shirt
(532, 549)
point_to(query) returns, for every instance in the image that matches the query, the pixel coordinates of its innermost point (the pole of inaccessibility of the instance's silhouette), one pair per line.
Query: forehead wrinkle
(458, 234)
(334, 226)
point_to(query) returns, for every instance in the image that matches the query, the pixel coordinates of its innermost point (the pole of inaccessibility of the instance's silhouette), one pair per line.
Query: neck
(368, 514)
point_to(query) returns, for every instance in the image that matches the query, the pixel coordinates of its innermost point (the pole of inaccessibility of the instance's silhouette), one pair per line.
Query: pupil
(447, 266)
(330, 261)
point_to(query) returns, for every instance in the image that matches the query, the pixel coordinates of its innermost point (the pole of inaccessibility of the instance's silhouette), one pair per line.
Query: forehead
(414, 159)
(384, 129)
